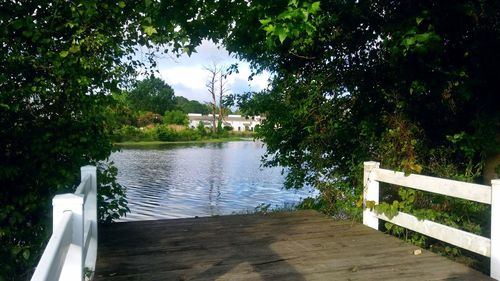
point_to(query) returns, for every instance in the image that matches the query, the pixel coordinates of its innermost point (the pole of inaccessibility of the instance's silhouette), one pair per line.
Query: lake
(187, 180)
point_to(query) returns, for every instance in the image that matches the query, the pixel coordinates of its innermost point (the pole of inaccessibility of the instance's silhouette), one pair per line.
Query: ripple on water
(177, 181)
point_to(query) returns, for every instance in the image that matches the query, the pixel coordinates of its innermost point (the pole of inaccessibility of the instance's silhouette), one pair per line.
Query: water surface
(176, 181)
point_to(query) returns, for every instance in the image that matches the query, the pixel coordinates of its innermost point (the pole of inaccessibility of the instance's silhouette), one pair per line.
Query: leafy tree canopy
(59, 66)
(176, 117)
(151, 94)
(411, 84)
(190, 106)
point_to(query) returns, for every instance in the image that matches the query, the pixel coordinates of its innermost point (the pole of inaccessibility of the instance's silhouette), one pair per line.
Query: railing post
(370, 193)
(91, 215)
(495, 230)
(73, 267)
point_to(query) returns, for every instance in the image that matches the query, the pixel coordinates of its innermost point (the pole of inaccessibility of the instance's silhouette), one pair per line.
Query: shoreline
(159, 143)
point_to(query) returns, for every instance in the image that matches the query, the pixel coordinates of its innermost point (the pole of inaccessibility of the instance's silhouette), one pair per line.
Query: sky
(187, 76)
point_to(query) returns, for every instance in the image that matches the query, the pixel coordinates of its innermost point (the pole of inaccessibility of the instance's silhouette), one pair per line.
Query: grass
(159, 143)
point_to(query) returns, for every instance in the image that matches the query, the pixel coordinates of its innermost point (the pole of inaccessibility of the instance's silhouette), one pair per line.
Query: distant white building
(237, 122)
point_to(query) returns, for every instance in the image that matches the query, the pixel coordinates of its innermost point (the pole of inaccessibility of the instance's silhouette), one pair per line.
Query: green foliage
(131, 133)
(148, 118)
(409, 84)
(457, 213)
(111, 198)
(369, 83)
(188, 135)
(157, 133)
(119, 113)
(176, 117)
(262, 208)
(59, 67)
(399, 145)
(172, 134)
(151, 94)
(293, 23)
(166, 134)
(201, 129)
(191, 106)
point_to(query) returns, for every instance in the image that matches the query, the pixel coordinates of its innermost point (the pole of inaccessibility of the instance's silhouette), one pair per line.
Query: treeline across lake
(174, 133)
(150, 111)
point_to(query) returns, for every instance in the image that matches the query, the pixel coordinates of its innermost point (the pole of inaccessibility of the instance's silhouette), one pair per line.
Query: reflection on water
(175, 181)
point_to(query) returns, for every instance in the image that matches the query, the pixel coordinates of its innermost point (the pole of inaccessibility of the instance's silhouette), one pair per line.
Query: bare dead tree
(211, 87)
(223, 89)
(217, 88)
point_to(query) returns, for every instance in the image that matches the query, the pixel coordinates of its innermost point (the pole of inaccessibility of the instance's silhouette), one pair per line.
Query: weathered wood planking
(281, 246)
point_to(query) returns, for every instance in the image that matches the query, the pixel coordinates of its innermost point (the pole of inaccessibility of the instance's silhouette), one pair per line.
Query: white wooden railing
(373, 174)
(72, 248)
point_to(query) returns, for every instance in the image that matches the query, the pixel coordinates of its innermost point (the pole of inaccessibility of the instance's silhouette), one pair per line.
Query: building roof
(229, 118)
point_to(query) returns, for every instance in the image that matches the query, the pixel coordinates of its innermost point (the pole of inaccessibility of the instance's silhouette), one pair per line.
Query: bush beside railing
(72, 249)
(489, 247)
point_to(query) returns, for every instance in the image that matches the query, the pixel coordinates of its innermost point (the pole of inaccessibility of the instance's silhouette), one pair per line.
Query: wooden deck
(301, 245)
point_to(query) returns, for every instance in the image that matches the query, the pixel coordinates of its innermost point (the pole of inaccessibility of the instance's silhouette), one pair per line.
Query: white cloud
(187, 76)
(190, 93)
(259, 82)
(191, 77)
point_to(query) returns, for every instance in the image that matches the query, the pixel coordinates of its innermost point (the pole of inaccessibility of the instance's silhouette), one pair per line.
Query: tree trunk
(211, 89)
(221, 93)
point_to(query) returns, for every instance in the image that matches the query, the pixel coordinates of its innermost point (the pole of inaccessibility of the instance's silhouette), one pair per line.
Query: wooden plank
(285, 246)
(474, 243)
(469, 191)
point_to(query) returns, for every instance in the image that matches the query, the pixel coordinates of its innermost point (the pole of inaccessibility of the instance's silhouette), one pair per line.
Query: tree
(176, 117)
(56, 73)
(152, 94)
(223, 89)
(409, 84)
(190, 106)
(147, 118)
(59, 66)
(211, 87)
(217, 88)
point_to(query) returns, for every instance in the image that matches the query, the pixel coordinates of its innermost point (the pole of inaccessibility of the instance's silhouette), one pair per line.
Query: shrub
(176, 117)
(189, 135)
(201, 129)
(126, 133)
(165, 133)
(112, 199)
(148, 118)
(131, 133)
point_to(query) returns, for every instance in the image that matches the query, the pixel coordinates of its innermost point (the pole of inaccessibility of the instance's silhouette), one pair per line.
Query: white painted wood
(91, 215)
(87, 236)
(73, 265)
(495, 229)
(52, 261)
(469, 191)
(457, 237)
(84, 184)
(74, 233)
(370, 193)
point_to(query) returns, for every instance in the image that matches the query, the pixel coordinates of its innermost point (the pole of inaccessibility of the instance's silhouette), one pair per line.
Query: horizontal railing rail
(72, 249)
(489, 247)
